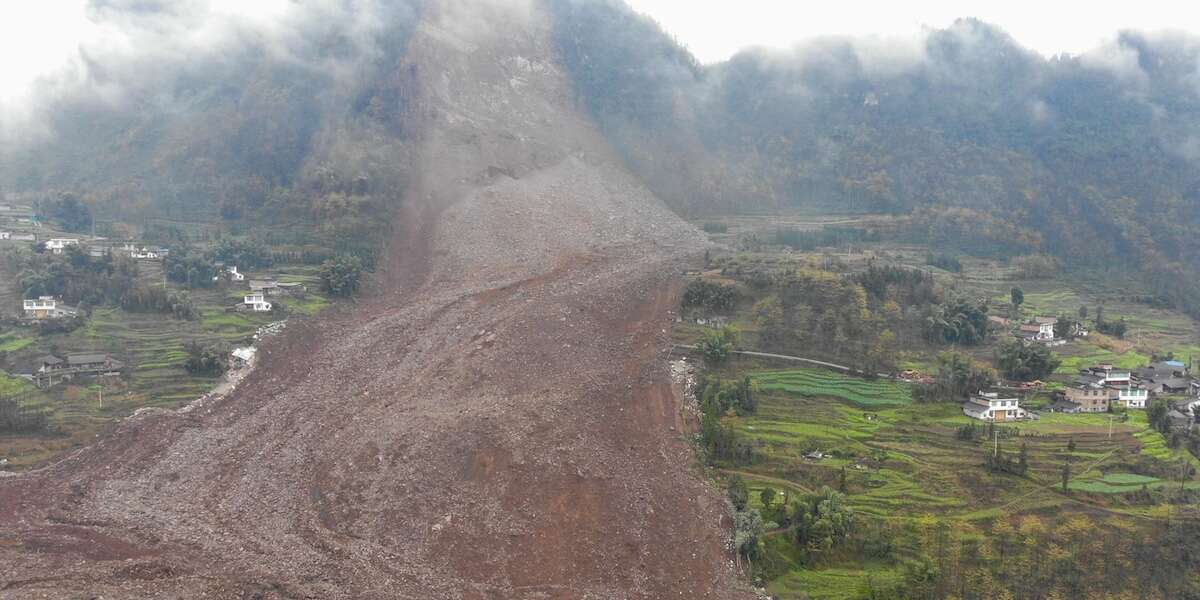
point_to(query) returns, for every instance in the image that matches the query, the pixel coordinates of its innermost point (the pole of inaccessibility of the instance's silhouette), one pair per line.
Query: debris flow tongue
(496, 421)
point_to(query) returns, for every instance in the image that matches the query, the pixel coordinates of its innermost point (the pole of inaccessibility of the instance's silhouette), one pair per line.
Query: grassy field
(821, 382)
(14, 341)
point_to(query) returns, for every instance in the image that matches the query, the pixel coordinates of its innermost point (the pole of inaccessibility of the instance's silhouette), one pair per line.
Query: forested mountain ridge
(300, 122)
(993, 148)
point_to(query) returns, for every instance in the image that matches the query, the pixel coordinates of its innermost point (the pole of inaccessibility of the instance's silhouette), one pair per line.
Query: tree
(1066, 474)
(1114, 328)
(69, 211)
(957, 376)
(958, 321)
(1017, 296)
(341, 275)
(1157, 416)
(768, 316)
(718, 344)
(767, 496)
(1083, 312)
(746, 402)
(822, 521)
(190, 268)
(706, 294)
(881, 357)
(748, 530)
(206, 359)
(1065, 327)
(739, 495)
(1071, 445)
(1025, 362)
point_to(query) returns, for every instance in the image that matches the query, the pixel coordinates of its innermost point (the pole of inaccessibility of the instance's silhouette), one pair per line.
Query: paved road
(811, 361)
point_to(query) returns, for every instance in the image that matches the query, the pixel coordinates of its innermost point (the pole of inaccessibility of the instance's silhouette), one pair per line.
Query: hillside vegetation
(990, 147)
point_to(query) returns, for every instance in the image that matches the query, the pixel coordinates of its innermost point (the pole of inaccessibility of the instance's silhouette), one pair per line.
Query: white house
(233, 274)
(144, 254)
(1040, 329)
(57, 245)
(1132, 396)
(257, 303)
(46, 307)
(989, 406)
(1107, 375)
(5, 235)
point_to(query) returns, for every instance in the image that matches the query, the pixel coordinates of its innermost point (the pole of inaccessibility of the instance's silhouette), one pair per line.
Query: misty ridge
(991, 148)
(301, 114)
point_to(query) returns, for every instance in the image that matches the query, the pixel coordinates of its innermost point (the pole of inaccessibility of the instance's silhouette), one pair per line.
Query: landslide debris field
(495, 421)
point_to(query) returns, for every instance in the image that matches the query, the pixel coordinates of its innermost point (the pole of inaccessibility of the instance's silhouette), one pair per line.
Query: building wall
(1091, 400)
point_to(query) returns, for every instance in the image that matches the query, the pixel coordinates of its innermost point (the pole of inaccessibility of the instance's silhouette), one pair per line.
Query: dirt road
(495, 421)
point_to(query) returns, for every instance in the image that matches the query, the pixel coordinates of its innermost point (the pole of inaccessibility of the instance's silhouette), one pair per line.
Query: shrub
(206, 359)
(341, 275)
(1025, 362)
(706, 294)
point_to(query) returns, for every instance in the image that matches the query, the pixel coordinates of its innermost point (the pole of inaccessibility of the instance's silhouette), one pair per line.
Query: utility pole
(995, 442)
(1110, 419)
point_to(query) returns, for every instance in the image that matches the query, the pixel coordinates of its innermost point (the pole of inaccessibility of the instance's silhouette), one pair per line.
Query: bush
(718, 344)
(715, 228)
(190, 269)
(1025, 362)
(341, 275)
(1114, 328)
(706, 294)
(206, 359)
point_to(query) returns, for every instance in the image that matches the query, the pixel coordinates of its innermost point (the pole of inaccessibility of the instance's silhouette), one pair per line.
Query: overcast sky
(37, 36)
(715, 29)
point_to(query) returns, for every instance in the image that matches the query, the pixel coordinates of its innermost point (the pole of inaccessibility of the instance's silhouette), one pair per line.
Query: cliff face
(495, 421)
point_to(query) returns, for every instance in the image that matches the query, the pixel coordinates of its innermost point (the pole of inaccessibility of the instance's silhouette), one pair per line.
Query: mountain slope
(1091, 158)
(497, 422)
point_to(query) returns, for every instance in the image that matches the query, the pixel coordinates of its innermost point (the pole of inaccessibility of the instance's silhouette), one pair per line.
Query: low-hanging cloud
(138, 49)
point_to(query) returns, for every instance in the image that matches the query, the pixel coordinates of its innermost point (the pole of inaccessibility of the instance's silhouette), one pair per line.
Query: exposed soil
(495, 421)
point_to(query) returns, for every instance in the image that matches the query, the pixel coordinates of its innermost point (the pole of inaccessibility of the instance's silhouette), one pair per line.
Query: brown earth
(495, 420)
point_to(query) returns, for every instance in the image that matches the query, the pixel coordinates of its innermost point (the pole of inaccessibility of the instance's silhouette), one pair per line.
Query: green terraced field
(818, 382)
(904, 462)
(1081, 355)
(1128, 479)
(1123, 483)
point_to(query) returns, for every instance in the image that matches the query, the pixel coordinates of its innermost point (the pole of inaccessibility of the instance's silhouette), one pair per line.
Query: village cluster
(258, 298)
(1098, 388)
